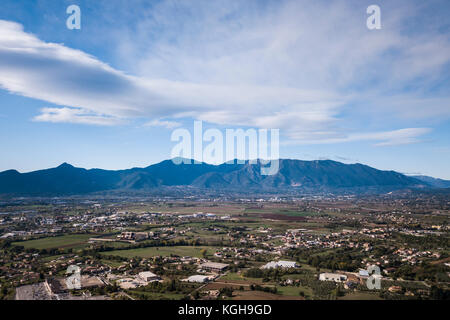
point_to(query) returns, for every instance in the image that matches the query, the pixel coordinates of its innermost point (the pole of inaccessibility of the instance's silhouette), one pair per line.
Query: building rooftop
(214, 265)
(197, 278)
(147, 274)
(280, 264)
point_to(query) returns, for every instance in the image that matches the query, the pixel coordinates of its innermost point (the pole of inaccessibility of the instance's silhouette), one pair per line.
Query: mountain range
(294, 175)
(436, 183)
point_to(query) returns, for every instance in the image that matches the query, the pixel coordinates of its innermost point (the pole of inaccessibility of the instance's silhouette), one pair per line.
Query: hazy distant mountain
(293, 175)
(437, 183)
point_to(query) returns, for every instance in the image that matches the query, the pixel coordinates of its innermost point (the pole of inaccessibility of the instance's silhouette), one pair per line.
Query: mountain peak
(11, 172)
(65, 165)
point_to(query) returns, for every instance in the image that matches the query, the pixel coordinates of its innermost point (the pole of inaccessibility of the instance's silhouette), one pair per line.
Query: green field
(156, 296)
(162, 251)
(232, 276)
(68, 241)
(288, 212)
(113, 264)
(294, 291)
(361, 296)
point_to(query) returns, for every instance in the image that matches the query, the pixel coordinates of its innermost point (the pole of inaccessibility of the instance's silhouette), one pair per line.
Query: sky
(110, 94)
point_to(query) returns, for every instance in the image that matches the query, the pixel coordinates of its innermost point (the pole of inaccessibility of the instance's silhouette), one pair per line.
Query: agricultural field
(290, 212)
(232, 276)
(184, 208)
(294, 291)
(162, 251)
(156, 296)
(235, 280)
(360, 296)
(261, 295)
(73, 241)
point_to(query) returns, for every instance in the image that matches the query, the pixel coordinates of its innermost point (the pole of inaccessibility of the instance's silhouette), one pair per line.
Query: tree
(196, 295)
(227, 291)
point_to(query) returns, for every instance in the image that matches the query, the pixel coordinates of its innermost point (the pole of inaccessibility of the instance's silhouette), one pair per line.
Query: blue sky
(110, 95)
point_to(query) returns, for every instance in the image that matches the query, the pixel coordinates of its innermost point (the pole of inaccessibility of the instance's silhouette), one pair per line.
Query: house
(336, 277)
(390, 270)
(133, 236)
(395, 289)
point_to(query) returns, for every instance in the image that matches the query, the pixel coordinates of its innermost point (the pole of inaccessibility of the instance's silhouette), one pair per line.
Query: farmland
(162, 251)
(66, 241)
(174, 241)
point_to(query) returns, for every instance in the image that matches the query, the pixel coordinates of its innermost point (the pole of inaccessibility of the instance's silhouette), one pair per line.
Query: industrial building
(333, 277)
(214, 266)
(198, 279)
(280, 264)
(148, 276)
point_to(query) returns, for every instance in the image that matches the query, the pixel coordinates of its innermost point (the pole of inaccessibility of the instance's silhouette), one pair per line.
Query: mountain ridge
(434, 182)
(293, 174)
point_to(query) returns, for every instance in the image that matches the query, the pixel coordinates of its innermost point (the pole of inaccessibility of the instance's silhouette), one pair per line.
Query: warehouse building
(214, 267)
(336, 277)
(198, 279)
(280, 264)
(148, 276)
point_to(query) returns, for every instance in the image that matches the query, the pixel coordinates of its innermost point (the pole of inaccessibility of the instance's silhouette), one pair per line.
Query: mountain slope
(437, 183)
(293, 174)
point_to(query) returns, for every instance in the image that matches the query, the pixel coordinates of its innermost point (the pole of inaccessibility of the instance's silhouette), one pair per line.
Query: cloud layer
(72, 78)
(290, 65)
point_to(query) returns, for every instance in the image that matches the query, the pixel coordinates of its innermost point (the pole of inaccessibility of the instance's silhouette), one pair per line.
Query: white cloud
(393, 138)
(383, 138)
(292, 65)
(163, 123)
(314, 45)
(71, 115)
(72, 78)
(306, 44)
(94, 93)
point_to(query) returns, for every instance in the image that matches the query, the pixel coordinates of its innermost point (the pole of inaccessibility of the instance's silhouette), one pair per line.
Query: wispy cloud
(383, 138)
(396, 137)
(72, 78)
(293, 65)
(163, 123)
(71, 115)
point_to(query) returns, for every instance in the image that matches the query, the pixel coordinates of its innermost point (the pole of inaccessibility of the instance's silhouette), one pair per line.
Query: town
(272, 248)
